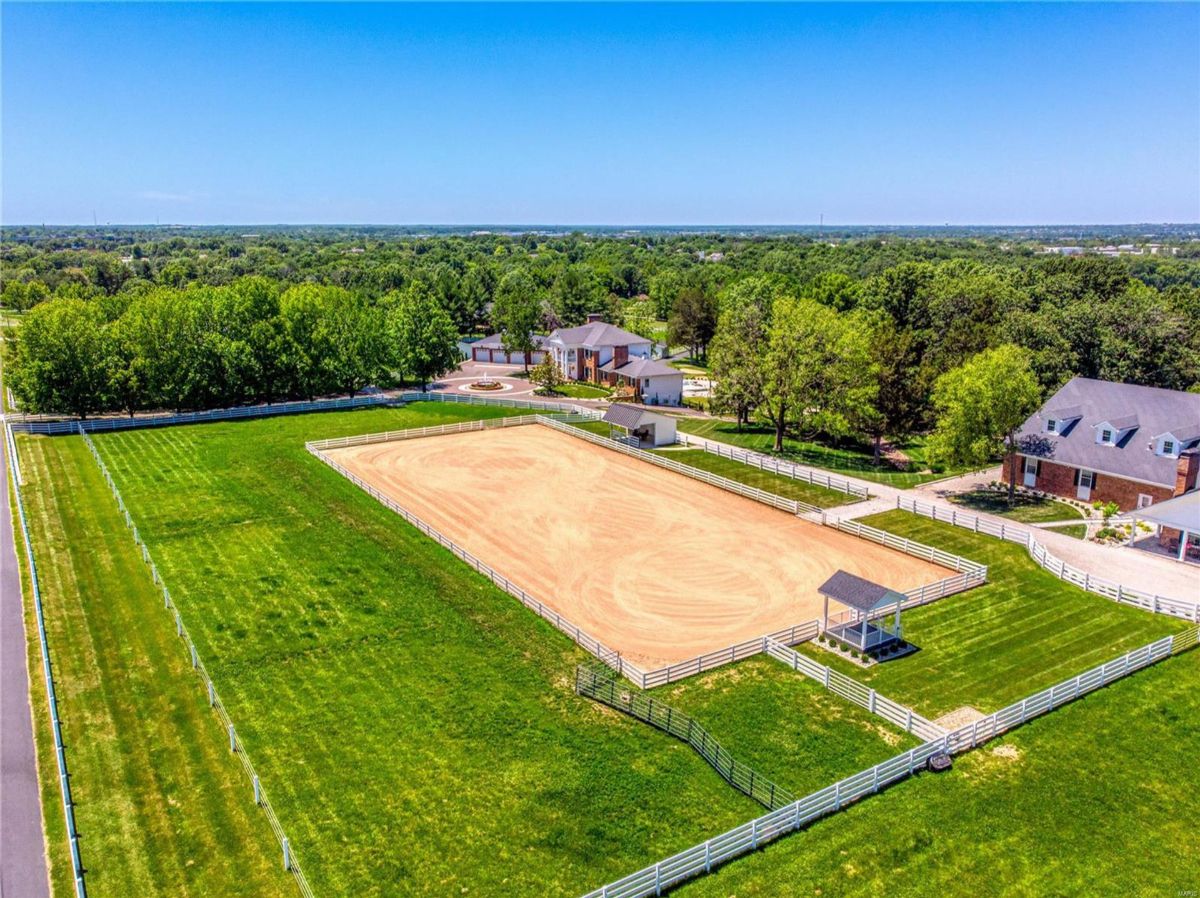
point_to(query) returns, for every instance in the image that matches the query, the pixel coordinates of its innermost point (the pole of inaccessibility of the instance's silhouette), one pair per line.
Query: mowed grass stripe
(416, 727)
(162, 807)
(1023, 631)
(1097, 798)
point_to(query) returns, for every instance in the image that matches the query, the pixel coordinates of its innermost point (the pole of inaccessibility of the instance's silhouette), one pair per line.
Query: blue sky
(601, 114)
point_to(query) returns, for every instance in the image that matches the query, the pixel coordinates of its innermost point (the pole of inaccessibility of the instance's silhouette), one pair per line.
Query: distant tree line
(210, 347)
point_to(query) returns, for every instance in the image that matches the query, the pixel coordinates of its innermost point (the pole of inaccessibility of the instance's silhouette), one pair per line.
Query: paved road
(23, 872)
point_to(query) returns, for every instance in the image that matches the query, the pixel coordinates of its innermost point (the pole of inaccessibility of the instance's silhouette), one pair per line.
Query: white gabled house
(602, 353)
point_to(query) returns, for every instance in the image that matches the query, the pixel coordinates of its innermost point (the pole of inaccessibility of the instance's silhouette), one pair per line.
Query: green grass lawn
(1025, 508)
(415, 726)
(163, 808)
(579, 391)
(1097, 798)
(787, 728)
(853, 462)
(1021, 632)
(763, 480)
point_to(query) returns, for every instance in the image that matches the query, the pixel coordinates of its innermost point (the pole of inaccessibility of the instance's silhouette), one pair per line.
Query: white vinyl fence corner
(60, 751)
(749, 837)
(1022, 536)
(290, 862)
(777, 466)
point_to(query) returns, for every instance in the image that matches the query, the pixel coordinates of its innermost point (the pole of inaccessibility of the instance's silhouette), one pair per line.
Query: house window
(1031, 465)
(1106, 436)
(1168, 447)
(1050, 425)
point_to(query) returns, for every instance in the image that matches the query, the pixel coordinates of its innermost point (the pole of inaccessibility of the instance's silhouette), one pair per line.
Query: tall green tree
(517, 312)
(693, 321)
(60, 361)
(981, 405)
(574, 294)
(422, 335)
(818, 370)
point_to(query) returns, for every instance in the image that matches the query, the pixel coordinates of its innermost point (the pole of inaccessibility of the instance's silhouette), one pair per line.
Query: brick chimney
(1186, 471)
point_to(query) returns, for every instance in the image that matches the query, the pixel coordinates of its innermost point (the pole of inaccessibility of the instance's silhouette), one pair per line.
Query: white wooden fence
(751, 836)
(1045, 559)
(777, 466)
(689, 668)
(390, 436)
(42, 425)
(60, 751)
(290, 862)
(853, 691)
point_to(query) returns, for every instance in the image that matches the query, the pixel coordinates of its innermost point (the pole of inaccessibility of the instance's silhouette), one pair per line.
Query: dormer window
(1106, 437)
(1051, 426)
(1168, 447)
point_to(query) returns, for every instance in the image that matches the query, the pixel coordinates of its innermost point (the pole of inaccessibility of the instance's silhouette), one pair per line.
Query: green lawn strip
(578, 391)
(161, 806)
(54, 824)
(1075, 531)
(1023, 631)
(415, 726)
(764, 480)
(1026, 509)
(1096, 798)
(599, 428)
(855, 463)
(787, 728)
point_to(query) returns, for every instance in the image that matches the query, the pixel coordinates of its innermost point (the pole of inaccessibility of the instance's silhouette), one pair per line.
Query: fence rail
(853, 691)
(710, 660)
(290, 862)
(439, 430)
(60, 752)
(40, 425)
(1109, 589)
(749, 837)
(601, 686)
(777, 466)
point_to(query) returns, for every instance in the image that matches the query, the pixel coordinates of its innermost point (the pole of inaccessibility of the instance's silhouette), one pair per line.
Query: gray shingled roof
(493, 341)
(642, 368)
(855, 592)
(1150, 410)
(627, 416)
(595, 335)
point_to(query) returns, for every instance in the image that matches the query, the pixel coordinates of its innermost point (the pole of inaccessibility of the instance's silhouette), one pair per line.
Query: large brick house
(602, 353)
(1099, 441)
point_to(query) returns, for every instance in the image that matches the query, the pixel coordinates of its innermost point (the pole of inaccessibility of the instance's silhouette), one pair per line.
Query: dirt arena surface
(652, 563)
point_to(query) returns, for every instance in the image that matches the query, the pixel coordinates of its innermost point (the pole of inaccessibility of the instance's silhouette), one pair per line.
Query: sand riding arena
(655, 565)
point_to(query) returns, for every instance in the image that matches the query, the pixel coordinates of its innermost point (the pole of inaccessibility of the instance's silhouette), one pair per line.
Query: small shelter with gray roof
(642, 428)
(861, 625)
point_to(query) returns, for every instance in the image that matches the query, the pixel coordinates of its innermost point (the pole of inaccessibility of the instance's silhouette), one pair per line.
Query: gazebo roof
(1182, 512)
(856, 592)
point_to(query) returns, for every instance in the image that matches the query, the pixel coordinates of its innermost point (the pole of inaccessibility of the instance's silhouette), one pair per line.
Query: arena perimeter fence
(776, 466)
(748, 837)
(236, 746)
(972, 574)
(60, 752)
(599, 684)
(1043, 557)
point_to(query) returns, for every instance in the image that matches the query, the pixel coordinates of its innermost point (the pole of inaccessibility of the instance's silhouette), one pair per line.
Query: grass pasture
(1097, 799)
(1022, 631)
(769, 481)
(1025, 508)
(853, 462)
(415, 727)
(162, 808)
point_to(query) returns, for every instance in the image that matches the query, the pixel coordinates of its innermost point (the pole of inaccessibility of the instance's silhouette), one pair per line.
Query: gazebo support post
(898, 601)
(1183, 544)
(864, 631)
(825, 626)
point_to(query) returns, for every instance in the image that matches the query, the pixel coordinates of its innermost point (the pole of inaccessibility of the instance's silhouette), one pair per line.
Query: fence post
(287, 855)
(212, 696)
(257, 792)
(232, 739)
(195, 660)
(871, 701)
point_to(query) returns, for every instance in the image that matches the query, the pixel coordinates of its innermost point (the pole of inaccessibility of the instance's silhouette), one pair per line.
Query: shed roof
(630, 416)
(642, 368)
(855, 592)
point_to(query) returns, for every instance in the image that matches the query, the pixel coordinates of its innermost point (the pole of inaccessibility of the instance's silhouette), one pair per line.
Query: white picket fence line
(290, 862)
(776, 466)
(710, 660)
(60, 751)
(749, 837)
(853, 691)
(54, 426)
(389, 436)
(1109, 589)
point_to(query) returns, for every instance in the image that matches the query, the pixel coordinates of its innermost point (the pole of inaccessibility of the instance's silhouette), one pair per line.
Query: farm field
(1097, 798)
(856, 463)
(162, 808)
(787, 487)
(1022, 631)
(650, 572)
(414, 726)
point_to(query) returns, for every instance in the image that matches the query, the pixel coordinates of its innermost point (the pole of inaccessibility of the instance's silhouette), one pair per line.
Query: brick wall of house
(1060, 480)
